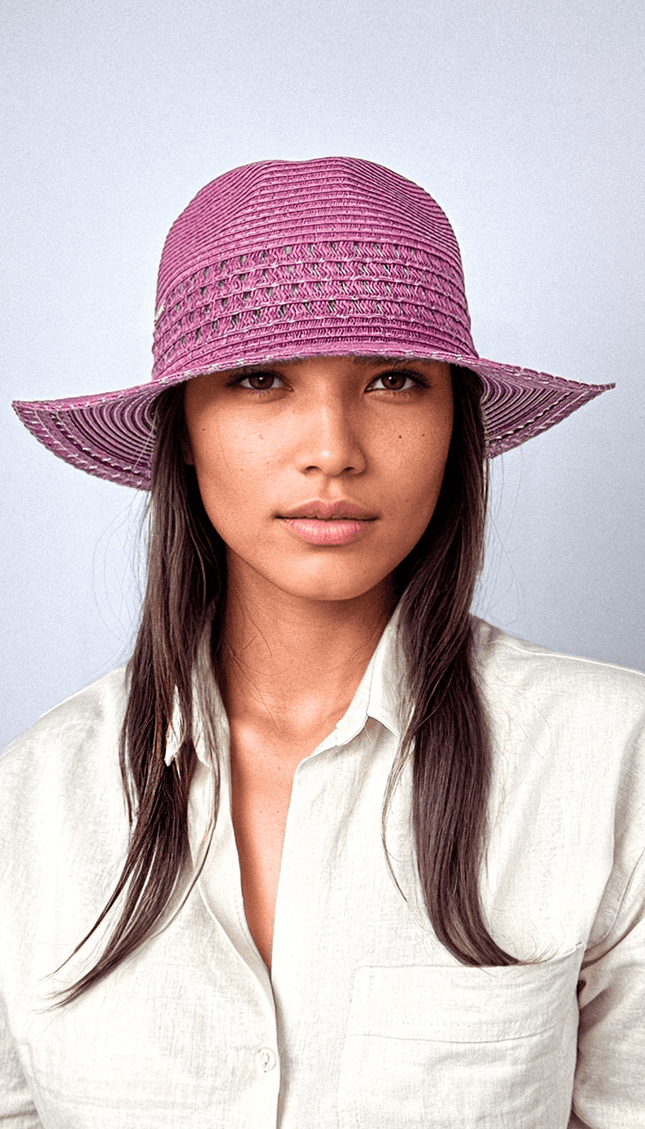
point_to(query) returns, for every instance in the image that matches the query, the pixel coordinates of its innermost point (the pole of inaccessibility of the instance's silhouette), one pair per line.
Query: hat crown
(269, 203)
(293, 254)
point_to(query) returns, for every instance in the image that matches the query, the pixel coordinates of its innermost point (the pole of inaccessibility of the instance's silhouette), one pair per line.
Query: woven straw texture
(287, 259)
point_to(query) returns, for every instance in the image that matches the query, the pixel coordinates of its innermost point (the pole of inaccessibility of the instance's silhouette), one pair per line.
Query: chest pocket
(448, 1047)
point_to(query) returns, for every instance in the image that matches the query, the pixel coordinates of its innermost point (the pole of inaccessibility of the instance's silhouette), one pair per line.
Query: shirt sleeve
(17, 1110)
(609, 1088)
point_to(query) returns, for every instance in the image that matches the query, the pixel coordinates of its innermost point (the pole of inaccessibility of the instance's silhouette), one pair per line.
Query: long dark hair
(178, 648)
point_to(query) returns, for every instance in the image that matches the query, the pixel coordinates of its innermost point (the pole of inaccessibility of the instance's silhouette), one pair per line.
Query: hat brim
(110, 435)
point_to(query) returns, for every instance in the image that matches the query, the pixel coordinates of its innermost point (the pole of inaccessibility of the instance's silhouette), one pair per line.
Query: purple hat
(283, 259)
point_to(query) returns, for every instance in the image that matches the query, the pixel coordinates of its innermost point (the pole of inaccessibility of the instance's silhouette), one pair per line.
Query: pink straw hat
(285, 259)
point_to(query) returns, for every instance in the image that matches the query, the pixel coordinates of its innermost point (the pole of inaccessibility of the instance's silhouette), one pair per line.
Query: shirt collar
(220, 723)
(380, 695)
(380, 691)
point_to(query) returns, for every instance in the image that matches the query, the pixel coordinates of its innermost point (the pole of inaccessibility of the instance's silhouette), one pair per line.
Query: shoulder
(505, 661)
(594, 710)
(71, 749)
(64, 828)
(85, 713)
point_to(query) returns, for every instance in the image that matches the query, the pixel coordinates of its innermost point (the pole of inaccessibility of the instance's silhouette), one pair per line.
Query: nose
(330, 439)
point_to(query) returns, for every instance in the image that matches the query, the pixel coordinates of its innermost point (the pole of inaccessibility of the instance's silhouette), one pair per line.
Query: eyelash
(238, 381)
(416, 378)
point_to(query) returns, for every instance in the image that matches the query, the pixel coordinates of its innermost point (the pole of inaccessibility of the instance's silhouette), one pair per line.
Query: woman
(378, 863)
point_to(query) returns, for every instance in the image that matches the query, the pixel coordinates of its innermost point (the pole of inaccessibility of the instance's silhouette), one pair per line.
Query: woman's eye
(394, 382)
(260, 381)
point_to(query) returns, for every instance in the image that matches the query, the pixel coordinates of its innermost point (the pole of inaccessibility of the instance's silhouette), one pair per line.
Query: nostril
(324, 469)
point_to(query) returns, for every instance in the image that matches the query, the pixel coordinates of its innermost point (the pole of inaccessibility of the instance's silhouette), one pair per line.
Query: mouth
(328, 523)
(330, 511)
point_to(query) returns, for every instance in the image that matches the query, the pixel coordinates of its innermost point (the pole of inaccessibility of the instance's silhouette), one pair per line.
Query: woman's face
(321, 474)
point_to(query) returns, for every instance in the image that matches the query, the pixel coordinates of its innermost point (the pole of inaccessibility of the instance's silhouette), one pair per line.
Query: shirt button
(266, 1059)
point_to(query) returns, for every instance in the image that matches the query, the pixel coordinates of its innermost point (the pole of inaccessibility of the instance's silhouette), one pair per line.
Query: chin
(335, 588)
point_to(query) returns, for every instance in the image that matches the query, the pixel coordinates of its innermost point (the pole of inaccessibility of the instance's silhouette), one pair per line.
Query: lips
(330, 511)
(328, 523)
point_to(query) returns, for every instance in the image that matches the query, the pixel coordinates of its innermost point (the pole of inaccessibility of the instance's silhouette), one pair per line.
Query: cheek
(420, 471)
(233, 476)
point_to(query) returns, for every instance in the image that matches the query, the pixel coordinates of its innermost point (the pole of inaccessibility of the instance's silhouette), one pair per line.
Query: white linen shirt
(365, 1021)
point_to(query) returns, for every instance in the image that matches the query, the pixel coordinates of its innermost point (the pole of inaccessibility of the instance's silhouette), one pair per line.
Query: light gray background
(524, 119)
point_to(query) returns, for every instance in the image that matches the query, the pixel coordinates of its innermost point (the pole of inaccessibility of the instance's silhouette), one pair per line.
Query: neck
(293, 665)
